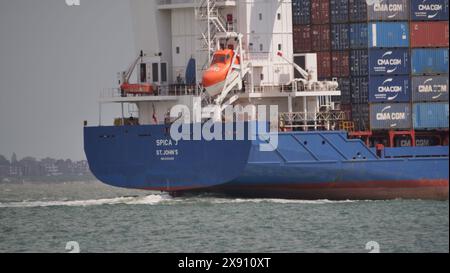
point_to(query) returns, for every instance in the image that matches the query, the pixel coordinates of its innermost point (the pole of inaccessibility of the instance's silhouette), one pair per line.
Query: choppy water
(43, 218)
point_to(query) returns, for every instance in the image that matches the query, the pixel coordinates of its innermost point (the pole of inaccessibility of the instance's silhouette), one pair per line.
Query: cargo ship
(291, 131)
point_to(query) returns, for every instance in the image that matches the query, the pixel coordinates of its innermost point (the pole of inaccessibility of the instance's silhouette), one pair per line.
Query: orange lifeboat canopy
(219, 68)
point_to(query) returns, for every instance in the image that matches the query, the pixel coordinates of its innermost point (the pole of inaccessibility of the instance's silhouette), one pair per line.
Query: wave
(156, 199)
(133, 200)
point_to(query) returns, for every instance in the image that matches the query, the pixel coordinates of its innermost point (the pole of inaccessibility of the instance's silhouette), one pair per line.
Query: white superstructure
(173, 33)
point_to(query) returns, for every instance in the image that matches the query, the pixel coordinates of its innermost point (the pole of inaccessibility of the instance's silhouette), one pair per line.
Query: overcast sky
(54, 62)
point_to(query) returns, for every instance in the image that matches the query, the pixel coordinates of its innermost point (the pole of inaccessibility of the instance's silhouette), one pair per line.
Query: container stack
(312, 32)
(389, 65)
(389, 56)
(429, 64)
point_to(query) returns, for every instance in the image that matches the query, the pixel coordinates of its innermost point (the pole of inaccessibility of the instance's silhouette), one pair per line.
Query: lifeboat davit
(215, 76)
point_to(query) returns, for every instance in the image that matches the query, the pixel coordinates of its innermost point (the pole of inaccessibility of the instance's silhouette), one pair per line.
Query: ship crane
(309, 84)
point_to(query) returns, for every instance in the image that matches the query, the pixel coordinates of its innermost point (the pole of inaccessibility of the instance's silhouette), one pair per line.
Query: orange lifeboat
(137, 89)
(215, 76)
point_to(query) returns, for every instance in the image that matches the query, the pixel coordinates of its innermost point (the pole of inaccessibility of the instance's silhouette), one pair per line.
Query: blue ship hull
(306, 165)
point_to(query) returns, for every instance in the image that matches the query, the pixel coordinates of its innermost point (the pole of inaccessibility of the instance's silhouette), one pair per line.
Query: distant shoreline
(48, 180)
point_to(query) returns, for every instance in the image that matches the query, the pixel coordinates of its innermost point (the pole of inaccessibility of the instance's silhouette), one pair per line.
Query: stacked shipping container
(429, 64)
(389, 88)
(390, 56)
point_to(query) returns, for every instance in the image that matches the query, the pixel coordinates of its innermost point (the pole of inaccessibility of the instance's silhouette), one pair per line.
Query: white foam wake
(145, 200)
(280, 201)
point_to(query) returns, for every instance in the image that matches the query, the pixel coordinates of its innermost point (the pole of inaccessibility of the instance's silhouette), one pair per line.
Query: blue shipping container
(388, 34)
(359, 62)
(389, 89)
(389, 62)
(359, 36)
(429, 61)
(301, 12)
(430, 115)
(340, 39)
(429, 10)
(339, 11)
(357, 11)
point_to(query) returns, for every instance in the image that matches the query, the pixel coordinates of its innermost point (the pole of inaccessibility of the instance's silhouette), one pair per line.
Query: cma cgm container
(429, 61)
(359, 36)
(340, 36)
(388, 34)
(357, 10)
(388, 10)
(430, 88)
(320, 11)
(301, 12)
(389, 89)
(339, 11)
(340, 64)
(430, 115)
(429, 34)
(320, 38)
(389, 62)
(429, 10)
(390, 116)
(359, 62)
(302, 38)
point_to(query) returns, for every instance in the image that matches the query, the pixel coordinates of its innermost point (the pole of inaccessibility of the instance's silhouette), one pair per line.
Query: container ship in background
(361, 88)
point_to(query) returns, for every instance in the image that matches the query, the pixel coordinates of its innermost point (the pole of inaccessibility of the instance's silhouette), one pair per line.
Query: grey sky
(54, 62)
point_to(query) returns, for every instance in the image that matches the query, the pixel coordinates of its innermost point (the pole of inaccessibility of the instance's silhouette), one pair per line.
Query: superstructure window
(261, 47)
(279, 16)
(262, 76)
(143, 74)
(260, 17)
(177, 50)
(279, 47)
(155, 72)
(164, 72)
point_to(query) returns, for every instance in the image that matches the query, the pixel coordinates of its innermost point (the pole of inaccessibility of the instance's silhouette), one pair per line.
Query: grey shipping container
(360, 116)
(301, 12)
(357, 11)
(430, 88)
(433, 115)
(344, 86)
(340, 36)
(386, 116)
(339, 11)
(388, 10)
(359, 89)
(359, 62)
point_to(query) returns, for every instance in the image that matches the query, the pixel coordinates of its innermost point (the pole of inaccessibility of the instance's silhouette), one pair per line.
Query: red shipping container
(302, 39)
(320, 11)
(323, 65)
(320, 38)
(429, 34)
(340, 64)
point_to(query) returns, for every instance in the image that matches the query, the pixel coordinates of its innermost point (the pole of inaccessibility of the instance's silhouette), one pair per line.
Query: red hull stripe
(335, 185)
